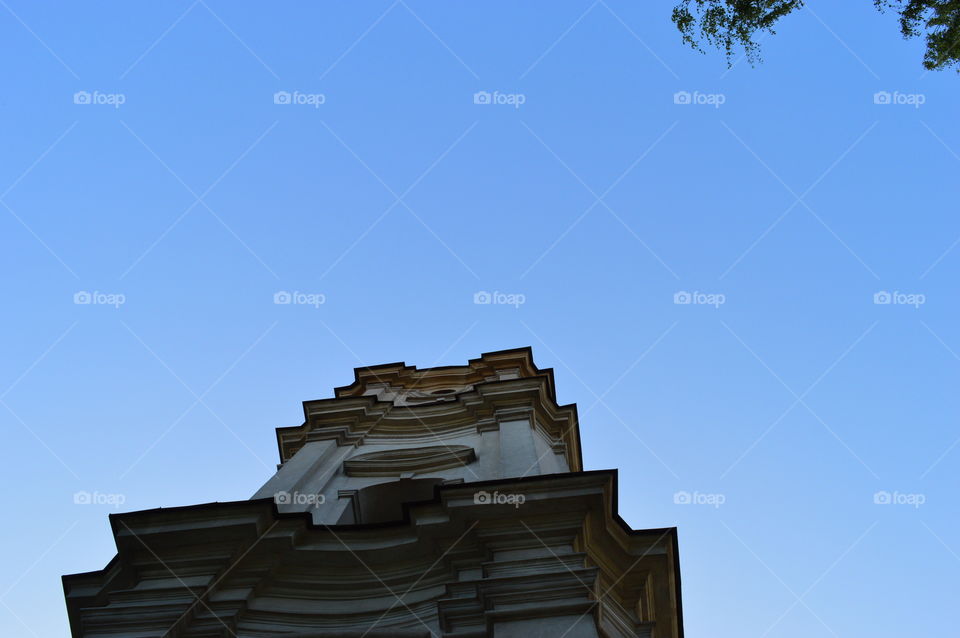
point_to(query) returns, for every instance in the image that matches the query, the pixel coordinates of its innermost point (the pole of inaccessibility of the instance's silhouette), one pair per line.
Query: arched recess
(419, 460)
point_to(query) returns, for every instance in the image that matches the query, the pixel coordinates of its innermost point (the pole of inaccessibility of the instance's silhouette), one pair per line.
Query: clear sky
(177, 165)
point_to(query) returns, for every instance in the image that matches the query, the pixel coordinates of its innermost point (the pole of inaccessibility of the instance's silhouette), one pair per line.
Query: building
(447, 502)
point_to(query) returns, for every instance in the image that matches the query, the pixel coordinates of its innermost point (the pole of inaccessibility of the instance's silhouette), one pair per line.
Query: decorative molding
(416, 460)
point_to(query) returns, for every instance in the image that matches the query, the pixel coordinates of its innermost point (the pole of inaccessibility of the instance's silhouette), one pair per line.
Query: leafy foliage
(938, 20)
(732, 24)
(729, 24)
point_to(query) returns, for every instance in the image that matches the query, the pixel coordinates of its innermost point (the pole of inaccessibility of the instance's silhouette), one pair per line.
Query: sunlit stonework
(439, 502)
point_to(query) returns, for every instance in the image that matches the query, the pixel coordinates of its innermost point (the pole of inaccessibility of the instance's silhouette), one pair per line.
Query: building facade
(446, 502)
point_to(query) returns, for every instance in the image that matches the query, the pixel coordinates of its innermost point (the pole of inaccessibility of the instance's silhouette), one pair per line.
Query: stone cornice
(488, 367)
(352, 420)
(236, 554)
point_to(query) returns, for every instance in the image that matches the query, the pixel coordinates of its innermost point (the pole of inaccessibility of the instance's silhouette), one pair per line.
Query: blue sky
(178, 164)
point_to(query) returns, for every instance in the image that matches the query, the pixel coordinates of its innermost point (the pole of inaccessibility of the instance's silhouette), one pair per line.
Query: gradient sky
(783, 191)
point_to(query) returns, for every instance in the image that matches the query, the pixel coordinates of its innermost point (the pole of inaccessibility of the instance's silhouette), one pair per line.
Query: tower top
(406, 385)
(417, 406)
